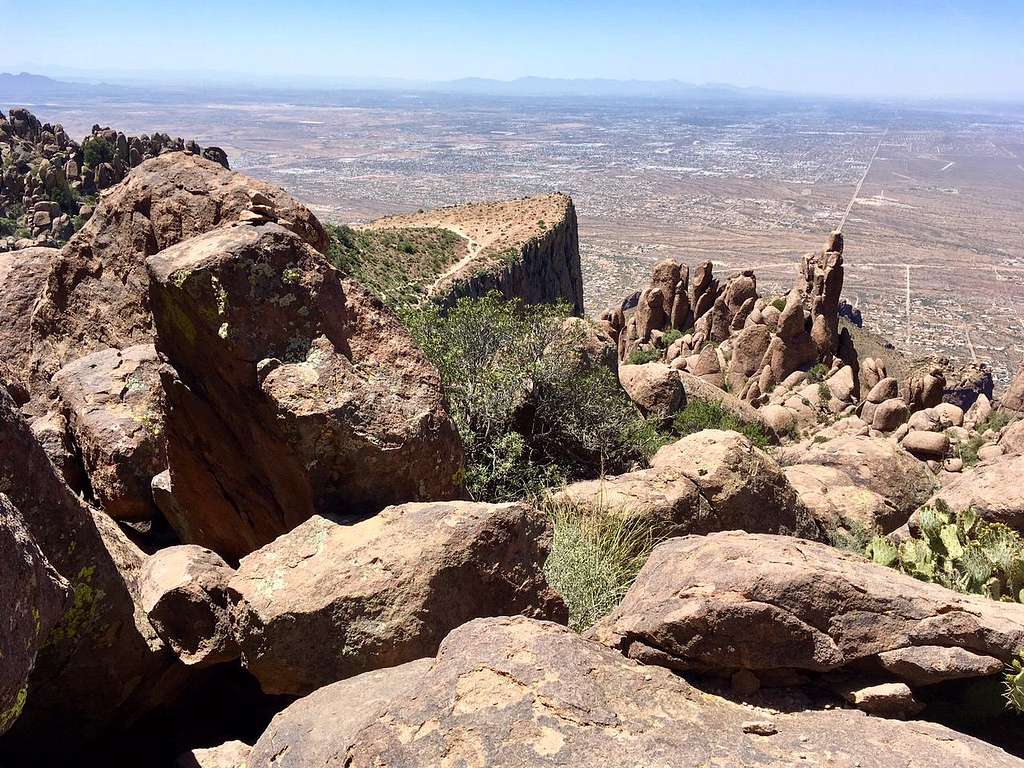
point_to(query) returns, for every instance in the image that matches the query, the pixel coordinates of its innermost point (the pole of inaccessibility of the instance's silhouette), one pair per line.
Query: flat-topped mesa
(526, 248)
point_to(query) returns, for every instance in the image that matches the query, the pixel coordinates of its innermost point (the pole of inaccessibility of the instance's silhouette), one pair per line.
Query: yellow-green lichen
(9, 715)
(83, 611)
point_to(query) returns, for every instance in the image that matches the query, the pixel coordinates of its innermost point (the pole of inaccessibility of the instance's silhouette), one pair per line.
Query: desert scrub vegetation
(531, 411)
(644, 356)
(959, 551)
(699, 415)
(595, 557)
(395, 264)
(968, 450)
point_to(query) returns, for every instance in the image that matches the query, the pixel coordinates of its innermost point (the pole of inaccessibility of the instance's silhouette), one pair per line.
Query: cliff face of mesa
(546, 268)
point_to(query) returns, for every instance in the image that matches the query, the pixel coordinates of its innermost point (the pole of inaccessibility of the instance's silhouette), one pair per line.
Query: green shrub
(595, 556)
(968, 450)
(779, 303)
(699, 415)
(97, 150)
(960, 552)
(530, 412)
(670, 337)
(644, 356)
(817, 373)
(850, 536)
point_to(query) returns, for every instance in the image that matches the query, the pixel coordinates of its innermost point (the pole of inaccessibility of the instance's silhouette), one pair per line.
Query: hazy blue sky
(863, 46)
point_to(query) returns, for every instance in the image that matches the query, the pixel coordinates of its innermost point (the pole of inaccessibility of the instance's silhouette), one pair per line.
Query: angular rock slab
(777, 603)
(875, 464)
(97, 290)
(329, 601)
(515, 692)
(836, 501)
(113, 403)
(35, 596)
(22, 278)
(317, 728)
(994, 488)
(297, 393)
(709, 481)
(102, 664)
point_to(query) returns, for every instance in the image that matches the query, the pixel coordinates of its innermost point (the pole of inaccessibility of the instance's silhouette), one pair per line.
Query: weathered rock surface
(710, 481)
(297, 393)
(102, 664)
(22, 277)
(385, 590)
(654, 387)
(35, 599)
(1013, 398)
(836, 501)
(230, 754)
(299, 736)
(97, 290)
(875, 464)
(183, 591)
(513, 692)
(113, 403)
(993, 488)
(776, 603)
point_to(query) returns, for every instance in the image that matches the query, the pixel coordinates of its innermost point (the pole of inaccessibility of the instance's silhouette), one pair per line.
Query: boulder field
(234, 528)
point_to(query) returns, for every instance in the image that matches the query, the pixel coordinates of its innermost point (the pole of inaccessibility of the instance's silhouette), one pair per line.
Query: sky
(865, 47)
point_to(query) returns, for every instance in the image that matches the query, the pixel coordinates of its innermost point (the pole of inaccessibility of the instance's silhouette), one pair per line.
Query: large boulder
(297, 393)
(22, 277)
(1013, 398)
(113, 403)
(835, 500)
(327, 601)
(654, 387)
(316, 729)
(773, 604)
(102, 664)
(184, 592)
(993, 488)
(874, 464)
(710, 481)
(97, 290)
(515, 692)
(36, 598)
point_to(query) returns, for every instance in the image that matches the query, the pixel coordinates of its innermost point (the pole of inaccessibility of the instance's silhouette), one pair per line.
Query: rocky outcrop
(835, 500)
(1013, 398)
(113, 404)
(773, 604)
(296, 392)
(22, 277)
(48, 179)
(386, 590)
(102, 663)
(184, 593)
(36, 598)
(514, 692)
(710, 481)
(297, 736)
(97, 290)
(230, 754)
(654, 387)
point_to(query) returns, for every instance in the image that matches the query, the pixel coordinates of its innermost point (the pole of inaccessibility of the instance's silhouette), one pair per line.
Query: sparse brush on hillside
(699, 415)
(395, 264)
(959, 551)
(968, 449)
(530, 412)
(595, 558)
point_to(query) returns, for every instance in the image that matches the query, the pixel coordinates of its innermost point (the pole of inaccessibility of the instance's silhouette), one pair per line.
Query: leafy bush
(968, 450)
(671, 336)
(595, 558)
(817, 373)
(699, 415)
(96, 150)
(644, 356)
(530, 412)
(779, 303)
(960, 552)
